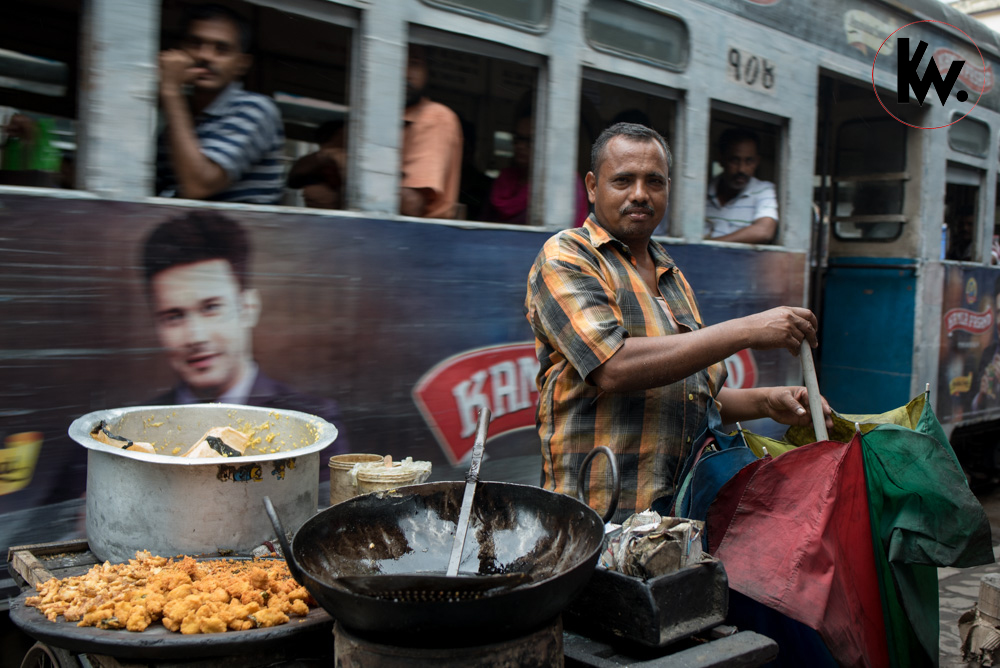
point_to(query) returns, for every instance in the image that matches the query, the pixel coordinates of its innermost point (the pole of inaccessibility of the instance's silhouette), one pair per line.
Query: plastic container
(376, 477)
(342, 485)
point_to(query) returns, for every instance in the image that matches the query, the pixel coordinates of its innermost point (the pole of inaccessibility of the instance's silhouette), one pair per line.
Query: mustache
(205, 65)
(637, 208)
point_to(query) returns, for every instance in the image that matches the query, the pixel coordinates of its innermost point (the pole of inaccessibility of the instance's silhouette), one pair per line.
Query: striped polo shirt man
(757, 200)
(242, 133)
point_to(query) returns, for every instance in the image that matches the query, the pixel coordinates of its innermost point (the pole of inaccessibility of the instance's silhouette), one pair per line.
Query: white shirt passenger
(757, 200)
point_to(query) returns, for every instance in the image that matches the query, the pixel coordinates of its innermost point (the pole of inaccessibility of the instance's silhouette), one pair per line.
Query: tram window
(869, 180)
(602, 104)
(302, 64)
(960, 219)
(970, 136)
(39, 46)
(530, 14)
(494, 100)
(641, 33)
(742, 199)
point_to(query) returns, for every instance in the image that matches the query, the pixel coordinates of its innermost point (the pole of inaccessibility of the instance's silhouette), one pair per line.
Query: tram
(885, 227)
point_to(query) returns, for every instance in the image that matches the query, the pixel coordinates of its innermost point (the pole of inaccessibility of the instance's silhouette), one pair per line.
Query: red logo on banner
(978, 78)
(968, 321)
(742, 370)
(501, 378)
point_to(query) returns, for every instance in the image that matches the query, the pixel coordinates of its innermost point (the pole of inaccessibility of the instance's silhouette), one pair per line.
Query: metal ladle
(451, 586)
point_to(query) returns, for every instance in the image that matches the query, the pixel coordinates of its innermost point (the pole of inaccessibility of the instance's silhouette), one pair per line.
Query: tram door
(864, 287)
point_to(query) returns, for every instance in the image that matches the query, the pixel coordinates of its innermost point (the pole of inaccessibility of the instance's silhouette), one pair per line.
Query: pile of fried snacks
(183, 594)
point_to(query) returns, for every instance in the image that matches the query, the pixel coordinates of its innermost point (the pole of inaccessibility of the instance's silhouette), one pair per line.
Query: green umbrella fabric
(923, 515)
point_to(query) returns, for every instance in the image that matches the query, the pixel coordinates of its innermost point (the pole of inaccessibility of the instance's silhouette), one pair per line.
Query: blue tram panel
(867, 333)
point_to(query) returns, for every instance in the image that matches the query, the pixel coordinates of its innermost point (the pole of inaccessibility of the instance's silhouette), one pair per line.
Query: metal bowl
(171, 505)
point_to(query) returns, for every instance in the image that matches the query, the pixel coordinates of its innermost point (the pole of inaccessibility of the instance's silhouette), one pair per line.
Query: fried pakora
(183, 594)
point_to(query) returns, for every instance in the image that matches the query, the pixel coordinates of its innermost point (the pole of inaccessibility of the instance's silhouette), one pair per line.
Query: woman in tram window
(511, 191)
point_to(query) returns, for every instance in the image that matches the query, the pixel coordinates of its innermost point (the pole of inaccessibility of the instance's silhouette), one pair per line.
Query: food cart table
(303, 645)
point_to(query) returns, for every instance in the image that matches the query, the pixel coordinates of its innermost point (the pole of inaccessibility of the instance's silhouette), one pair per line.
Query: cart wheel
(43, 656)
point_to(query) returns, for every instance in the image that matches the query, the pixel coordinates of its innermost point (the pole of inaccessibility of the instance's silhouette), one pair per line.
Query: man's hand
(790, 405)
(781, 327)
(176, 69)
(22, 127)
(413, 201)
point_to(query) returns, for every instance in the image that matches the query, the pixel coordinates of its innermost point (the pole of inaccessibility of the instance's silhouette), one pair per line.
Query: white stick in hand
(812, 386)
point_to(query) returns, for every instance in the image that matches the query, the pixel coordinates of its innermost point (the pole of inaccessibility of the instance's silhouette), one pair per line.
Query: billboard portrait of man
(197, 278)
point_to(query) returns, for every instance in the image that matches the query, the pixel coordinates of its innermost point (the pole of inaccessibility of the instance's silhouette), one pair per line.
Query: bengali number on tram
(751, 70)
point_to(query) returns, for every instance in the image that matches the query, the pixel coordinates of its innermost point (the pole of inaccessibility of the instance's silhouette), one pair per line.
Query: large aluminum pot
(171, 505)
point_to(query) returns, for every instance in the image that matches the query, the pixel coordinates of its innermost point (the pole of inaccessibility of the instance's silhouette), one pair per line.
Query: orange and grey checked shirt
(585, 296)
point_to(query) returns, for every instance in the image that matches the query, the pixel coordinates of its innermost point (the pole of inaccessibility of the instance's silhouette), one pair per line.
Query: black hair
(633, 131)
(732, 136)
(212, 12)
(416, 52)
(197, 236)
(326, 131)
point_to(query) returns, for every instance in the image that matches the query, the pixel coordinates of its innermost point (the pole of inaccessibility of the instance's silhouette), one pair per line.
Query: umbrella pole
(812, 386)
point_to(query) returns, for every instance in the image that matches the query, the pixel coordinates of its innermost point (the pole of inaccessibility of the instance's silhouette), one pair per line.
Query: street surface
(959, 589)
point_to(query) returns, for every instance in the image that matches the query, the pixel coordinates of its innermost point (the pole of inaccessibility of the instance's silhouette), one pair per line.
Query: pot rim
(81, 428)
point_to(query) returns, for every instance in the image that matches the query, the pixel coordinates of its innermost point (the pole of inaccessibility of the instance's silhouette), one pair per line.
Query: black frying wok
(553, 538)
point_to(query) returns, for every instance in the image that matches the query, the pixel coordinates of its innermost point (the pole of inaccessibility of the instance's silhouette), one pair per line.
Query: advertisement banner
(969, 357)
(397, 330)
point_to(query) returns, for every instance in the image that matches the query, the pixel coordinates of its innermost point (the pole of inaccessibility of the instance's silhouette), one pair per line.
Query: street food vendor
(626, 359)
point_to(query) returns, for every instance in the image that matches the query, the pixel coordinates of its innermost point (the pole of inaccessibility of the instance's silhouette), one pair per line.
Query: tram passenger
(626, 359)
(320, 174)
(511, 192)
(962, 242)
(476, 184)
(740, 207)
(197, 280)
(432, 148)
(220, 142)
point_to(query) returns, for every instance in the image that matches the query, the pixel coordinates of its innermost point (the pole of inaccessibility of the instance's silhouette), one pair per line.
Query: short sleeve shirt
(585, 297)
(757, 200)
(432, 155)
(242, 133)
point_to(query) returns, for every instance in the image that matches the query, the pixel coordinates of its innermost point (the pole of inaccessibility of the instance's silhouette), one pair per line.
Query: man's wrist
(169, 90)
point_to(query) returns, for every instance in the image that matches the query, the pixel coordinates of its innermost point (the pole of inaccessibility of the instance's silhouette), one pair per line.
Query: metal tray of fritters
(158, 642)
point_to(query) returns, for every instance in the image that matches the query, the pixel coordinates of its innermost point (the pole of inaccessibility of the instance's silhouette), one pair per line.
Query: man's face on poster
(205, 320)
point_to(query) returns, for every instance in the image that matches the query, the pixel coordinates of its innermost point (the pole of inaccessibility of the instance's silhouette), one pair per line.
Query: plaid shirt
(585, 296)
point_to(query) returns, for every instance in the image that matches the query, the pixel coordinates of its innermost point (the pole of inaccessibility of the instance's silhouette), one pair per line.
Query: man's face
(416, 78)
(204, 321)
(631, 192)
(739, 164)
(214, 44)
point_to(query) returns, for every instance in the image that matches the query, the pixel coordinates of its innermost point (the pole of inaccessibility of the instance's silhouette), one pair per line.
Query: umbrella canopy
(845, 535)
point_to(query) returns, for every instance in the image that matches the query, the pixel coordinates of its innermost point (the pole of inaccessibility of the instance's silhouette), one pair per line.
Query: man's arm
(642, 363)
(309, 168)
(787, 405)
(197, 176)
(760, 231)
(413, 201)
